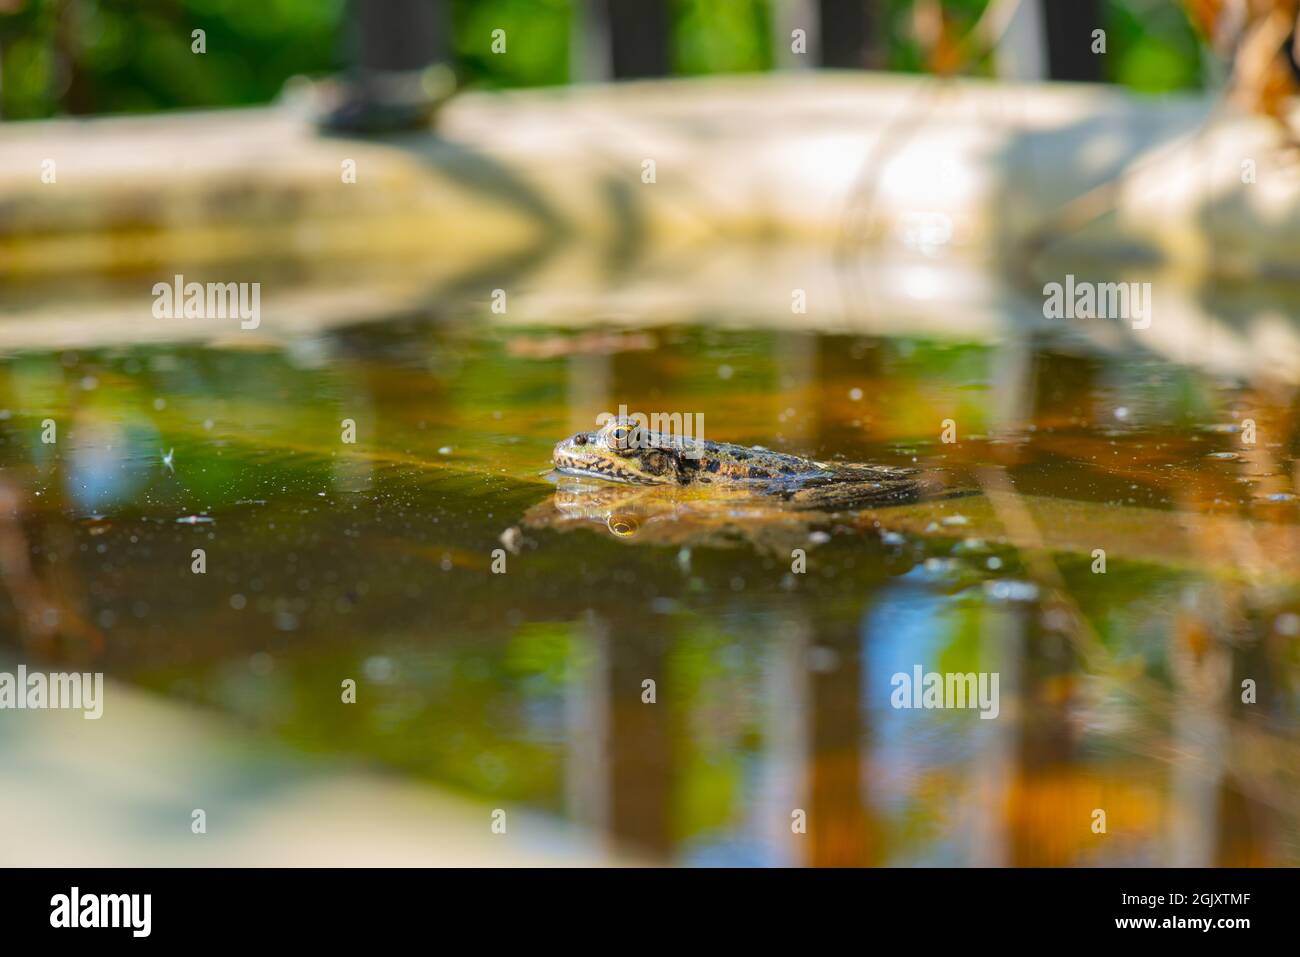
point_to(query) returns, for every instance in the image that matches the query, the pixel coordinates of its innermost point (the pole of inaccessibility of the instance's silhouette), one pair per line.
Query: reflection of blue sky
(107, 461)
(911, 624)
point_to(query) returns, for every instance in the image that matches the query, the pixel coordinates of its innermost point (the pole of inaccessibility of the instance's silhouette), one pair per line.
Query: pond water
(506, 634)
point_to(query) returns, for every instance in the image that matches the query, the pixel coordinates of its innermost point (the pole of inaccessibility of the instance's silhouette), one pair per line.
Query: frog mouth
(590, 466)
(569, 458)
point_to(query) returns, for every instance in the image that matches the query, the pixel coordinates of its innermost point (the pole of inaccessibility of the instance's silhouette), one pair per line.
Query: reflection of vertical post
(1013, 363)
(796, 367)
(787, 735)
(1042, 833)
(640, 736)
(1002, 634)
(838, 828)
(589, 388)
(1247, 825)
(586, 713)
(1200, 735)
(618, 769)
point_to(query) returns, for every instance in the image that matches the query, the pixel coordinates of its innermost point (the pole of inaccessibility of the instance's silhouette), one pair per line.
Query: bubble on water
(956, 520)
(379, 668)
(892, 538)
(445, 450)
(1008, 590)
(1121, 413)
(993, 563)
(855, 395)
(725, 371)
(159, 404)
(1287, 623)
(238, 602)
(819, 537)
(1225, 456)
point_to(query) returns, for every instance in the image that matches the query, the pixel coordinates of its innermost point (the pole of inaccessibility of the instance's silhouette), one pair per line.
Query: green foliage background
(133, 56)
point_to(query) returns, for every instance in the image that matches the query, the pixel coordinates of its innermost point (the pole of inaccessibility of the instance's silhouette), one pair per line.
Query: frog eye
(623, 436)
(623, 526)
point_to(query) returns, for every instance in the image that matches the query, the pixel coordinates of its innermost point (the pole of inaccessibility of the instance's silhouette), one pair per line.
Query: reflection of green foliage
(963, 622)
(708, 795)
(127, 56)
(459, 718)
(542, 650)
(537, 41)
(700, 672)
(730, 37)
(1151, 46)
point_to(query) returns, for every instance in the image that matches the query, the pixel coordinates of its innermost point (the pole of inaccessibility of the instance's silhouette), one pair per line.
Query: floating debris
(511, 538)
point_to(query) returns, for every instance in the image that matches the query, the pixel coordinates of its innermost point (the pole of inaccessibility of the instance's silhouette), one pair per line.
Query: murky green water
(1119, 691)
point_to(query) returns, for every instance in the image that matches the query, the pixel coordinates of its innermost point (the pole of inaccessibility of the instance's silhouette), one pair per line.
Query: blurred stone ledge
(839, 160)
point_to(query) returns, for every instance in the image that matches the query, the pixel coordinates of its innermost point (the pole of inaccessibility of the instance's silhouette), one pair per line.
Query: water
(772, 736)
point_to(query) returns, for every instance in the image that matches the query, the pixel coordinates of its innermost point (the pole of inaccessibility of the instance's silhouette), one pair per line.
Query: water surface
(374, 560)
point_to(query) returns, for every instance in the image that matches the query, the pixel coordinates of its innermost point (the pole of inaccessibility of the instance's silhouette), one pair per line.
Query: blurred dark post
(638, 37)
(1069, 29)
(399, 74)
(391, 36)
(844, 33)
